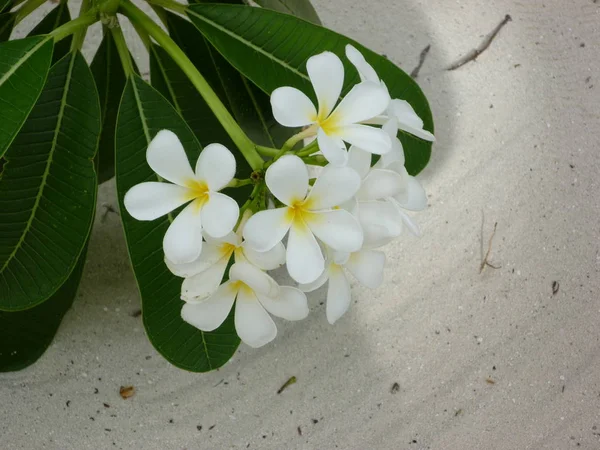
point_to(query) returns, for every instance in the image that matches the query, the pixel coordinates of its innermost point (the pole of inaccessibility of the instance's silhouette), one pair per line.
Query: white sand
(437, 327)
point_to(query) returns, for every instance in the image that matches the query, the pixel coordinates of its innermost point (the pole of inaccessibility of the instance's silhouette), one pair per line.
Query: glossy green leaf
(142, 114)
(110, 79)
(5, 5)
(7, 23)
(48, 187)
(25, 335)
(55, 18)
(272, 52)
(299, 8)
(24, 65)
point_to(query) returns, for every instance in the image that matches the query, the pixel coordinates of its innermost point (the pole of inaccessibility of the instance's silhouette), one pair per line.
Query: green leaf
(110, 79)
(55, 18)
(142, 114)
(48, 187)
(24, 64)
(7, 22)
(25, 335)
(299, 8)
(272, 52)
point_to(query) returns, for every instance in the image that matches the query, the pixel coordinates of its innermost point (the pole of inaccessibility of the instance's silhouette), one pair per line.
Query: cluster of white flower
(333, 222)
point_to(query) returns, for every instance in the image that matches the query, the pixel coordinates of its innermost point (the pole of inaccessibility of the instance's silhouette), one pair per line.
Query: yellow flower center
(198, 191)
(239, 285)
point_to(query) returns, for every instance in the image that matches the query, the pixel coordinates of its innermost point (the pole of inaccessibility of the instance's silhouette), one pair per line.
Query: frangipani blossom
(203, 276)
(306, 215)
(256, 295)
(406, 117)
(208, 210)
(333, 127)
(365, 265)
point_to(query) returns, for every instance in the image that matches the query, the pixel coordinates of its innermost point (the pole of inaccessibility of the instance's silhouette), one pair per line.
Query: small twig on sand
(288, 383)
(484, 259)
(422, 56)
(473, 54)
(107, 208)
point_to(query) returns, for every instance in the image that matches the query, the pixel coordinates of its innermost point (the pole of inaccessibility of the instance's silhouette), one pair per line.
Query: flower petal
(379, 184)
(396, 154)
(359, 160)
(269, 260)
(333, 148)
(364, 101)
(310, 287)
(338, 294)
(215, 166)
(151, 200)
(199, 287)
(254, 278)
(326, 73)
(367, 267)
(219, 214)
(412, 196)
(265, 229)
(211, 254)
(292, 108)
(366, 72)
(212, 312)
(380, 222)
(291, 304)
(305, 261)
(166, 156)
(287, 179)
(335, 185)
(371, 139)
(408, 120)
(183, 240)
(338, 229)
(410, 224)
(253, 324)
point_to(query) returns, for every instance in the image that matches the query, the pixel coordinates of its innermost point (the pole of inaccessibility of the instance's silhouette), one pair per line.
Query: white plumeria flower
(208, 210)
(333, 127)
(203, 276)
(405, 116)
(306, 215)
(256, 295)
(365, 265)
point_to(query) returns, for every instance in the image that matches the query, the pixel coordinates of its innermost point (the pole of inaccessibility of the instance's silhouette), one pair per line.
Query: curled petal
(371, 139)
(333, 148)
(410, 224)
(326, 73)
(335, 186)
(254, 278)
(166, 156)
(291, 304)
(212, 312)
(408, 120)
(338, 294)
(359, 160)
(396, 154)
(253, 324)
(412, 196)
(364, 101)
(380, 222)
(304, 258)
(183, 240)
(199, 287)
(151, 200)
(219, 215)
(339, 229)
(215, 166)
(367, 267)
(366, 72)
(265, 229)
(292, 108)
(211, 253)
(269, 260)
(287, 179)
(380, 184)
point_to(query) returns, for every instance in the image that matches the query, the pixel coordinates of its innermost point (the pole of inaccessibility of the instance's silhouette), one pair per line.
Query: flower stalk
(85, 20)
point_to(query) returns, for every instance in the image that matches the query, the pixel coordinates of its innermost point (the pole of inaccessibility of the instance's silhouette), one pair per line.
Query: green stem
(124, 55)
(317, 160)
(267, 151)
(235, 183)
(28, 7)
(79, 35)
(170, 4)
(71, 27)
(243, 142)
(291, 142)
(309, 149)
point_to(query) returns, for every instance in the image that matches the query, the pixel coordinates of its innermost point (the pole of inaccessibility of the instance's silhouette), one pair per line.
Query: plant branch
(267, 151)
(124, 55)
(170, 4)
(71, 27)
(241, 140)
(79, 35)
